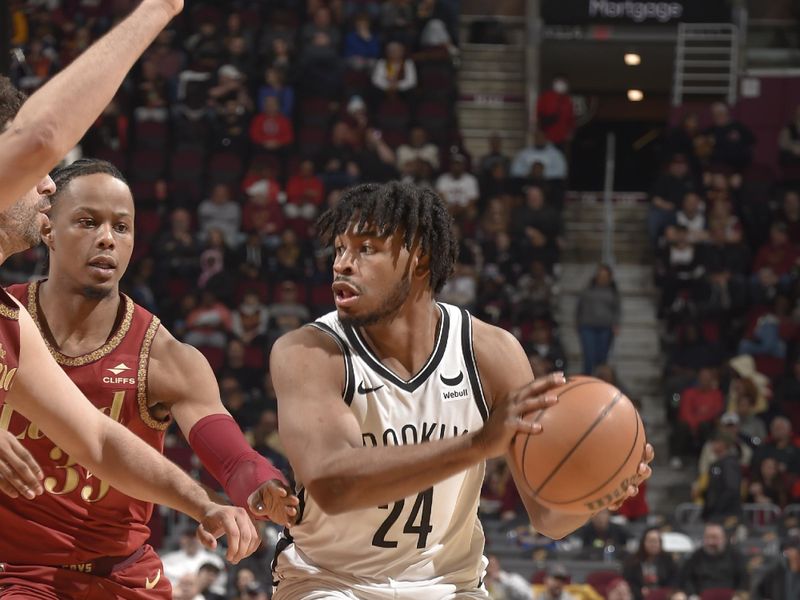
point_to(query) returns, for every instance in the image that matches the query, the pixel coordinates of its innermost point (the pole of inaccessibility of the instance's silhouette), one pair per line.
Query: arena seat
(718, 594)
(599, 580)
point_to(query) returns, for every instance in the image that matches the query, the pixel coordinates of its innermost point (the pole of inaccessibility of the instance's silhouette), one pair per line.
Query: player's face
(91, 234)
(22, 222)
(372, 276)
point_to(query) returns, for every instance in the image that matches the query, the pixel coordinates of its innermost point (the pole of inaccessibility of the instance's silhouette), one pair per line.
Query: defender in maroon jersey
(133, 370)
(31, 143)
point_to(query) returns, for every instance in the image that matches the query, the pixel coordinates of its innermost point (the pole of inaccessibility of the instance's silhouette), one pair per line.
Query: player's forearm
(56, 117)
(553, 524)
(360, 478)
(221, 447)
(138, 470)
(546, 521)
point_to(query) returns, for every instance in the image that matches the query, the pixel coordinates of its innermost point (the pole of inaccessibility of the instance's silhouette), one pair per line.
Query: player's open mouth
(102, 264)
(344, 294)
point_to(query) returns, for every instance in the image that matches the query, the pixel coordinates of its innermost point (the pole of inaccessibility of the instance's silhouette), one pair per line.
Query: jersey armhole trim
(8, 308)
(349, 376)
(472, 365)
(141, 378)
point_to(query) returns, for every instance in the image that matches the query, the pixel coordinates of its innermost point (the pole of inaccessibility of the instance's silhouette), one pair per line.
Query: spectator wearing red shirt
(262, 213)
(271, 131)
(209, 324)
(700, 405)
(554, 112)
(305, 193)
(778, 254)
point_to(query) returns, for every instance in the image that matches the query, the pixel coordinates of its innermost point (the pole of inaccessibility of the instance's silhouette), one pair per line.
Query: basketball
(588, 452)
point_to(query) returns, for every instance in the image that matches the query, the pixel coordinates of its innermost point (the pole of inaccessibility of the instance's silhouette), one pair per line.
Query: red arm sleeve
(221, 447)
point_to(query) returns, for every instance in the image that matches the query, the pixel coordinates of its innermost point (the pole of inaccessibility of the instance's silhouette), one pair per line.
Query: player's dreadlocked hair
(81, 168)
(418, 211)
(11, 100)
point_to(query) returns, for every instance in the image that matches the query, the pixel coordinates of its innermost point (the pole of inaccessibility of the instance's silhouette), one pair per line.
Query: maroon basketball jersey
(9, 343)
(80, 517)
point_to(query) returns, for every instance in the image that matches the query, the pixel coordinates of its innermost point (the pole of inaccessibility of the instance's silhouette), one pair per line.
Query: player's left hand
(233, 522)
(644, 473)
(275, 501)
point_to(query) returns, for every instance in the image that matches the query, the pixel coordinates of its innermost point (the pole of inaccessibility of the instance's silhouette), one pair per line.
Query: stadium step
(478, 85)
(499, 117)
(491, 100)
(636, 353)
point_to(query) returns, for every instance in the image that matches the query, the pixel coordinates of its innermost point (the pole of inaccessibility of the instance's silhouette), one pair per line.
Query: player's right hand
(19, 471)
(506, 416)
(233, 522)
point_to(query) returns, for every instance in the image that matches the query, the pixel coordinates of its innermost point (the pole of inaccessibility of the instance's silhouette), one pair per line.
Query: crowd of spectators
(725, 234)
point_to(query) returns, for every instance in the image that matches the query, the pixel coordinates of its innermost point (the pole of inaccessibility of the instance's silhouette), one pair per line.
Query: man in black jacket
(783, 579)
(723, 498)
(715, 565)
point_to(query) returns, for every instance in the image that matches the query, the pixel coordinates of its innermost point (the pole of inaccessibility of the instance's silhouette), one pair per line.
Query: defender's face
(372, 275)
(22, 222)
(91, 237)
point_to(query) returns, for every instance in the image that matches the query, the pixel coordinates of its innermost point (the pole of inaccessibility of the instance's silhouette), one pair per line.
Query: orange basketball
(588, 452)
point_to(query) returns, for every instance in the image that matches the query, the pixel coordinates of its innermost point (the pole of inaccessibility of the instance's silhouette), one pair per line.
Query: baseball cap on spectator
(229, 71)
(210, 566)
(558, 571)
(434, 34)
(729, 418)
(258, 188)
(355, 104)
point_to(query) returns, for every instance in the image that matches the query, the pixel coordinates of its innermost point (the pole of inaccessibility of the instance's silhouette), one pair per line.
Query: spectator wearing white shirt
(395, 73)
(459, 189)
(220, 212)
(543, 151)
(503, 585)
(188, 560)
(692, 216)
(417, 148)
(187, 588)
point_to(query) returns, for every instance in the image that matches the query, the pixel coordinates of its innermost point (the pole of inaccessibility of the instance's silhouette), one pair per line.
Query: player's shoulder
(501, 360)
(169, 351)
(309, 338)
(489, 339)
(307, 356)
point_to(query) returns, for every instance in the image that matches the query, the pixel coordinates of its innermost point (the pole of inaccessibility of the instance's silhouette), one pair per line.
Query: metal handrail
(691, 36)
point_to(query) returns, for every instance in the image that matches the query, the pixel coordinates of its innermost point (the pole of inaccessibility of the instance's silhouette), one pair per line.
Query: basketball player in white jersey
(388, 409)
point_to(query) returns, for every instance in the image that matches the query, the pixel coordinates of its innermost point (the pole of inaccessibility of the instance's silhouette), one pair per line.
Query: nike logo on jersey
(367, 390)
(452, 381)
(120, 368)
(149, 585)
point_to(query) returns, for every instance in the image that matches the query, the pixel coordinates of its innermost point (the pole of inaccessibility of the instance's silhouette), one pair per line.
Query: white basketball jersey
(433, 536)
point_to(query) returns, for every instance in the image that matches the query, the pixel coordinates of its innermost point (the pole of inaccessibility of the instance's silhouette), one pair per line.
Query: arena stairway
(636, 355)
(491, 98)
